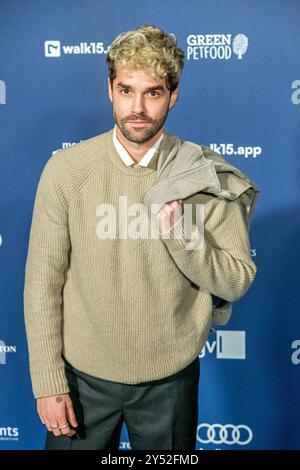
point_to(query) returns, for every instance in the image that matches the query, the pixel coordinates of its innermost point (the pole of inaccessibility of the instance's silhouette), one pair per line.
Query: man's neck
(135, 150)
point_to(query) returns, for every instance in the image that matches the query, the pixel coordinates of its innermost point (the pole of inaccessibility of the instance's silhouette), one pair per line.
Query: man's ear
(174, 97)
(109, 89)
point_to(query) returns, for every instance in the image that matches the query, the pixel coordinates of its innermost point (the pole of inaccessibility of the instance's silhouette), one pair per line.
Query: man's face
(136, 96)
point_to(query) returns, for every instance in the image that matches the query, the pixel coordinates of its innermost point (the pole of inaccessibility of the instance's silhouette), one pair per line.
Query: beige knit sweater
(120, 308)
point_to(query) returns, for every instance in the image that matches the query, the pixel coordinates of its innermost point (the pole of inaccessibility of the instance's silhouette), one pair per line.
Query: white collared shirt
(127, 158)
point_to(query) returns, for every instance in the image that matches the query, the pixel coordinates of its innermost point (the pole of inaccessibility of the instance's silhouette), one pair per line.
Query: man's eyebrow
(156, 87)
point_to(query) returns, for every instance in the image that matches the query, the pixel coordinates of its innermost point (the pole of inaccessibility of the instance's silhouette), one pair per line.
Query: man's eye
(152, 92)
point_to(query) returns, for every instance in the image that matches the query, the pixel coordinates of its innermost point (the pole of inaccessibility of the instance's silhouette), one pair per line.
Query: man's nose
(138, 104)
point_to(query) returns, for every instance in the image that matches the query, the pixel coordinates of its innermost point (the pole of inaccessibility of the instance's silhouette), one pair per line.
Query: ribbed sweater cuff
(49, 382)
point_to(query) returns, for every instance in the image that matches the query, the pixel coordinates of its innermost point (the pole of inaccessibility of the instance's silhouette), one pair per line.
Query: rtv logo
(4, 350)
(227, 345)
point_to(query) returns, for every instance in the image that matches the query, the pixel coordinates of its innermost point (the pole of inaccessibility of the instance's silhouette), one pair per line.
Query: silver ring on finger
(64, 426)
(54, 427)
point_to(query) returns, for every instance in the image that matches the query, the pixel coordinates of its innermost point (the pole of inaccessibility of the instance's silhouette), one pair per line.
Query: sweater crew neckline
(133, 170)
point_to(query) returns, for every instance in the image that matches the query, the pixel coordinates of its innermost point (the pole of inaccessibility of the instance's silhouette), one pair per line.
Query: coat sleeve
(221, 263)
(47, 260)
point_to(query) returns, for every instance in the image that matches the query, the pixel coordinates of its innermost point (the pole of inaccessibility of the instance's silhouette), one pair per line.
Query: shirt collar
(127, 158)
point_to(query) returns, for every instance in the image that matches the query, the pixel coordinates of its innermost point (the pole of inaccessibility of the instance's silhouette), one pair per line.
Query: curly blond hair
(150, 49)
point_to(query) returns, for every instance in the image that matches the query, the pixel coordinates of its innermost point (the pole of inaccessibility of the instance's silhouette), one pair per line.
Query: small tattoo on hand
(59, 399)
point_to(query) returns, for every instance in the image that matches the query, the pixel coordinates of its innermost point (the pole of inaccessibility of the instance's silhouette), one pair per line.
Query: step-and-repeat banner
(240, 95)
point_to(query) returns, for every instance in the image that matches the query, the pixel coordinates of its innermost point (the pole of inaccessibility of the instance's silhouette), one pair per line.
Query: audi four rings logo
(224, 434)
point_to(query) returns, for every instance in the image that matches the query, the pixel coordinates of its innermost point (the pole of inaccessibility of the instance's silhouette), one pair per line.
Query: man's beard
(143, 134)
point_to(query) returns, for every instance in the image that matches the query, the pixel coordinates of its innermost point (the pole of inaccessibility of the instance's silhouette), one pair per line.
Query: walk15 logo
(54, 48)
(227, 345)
(216, 46)
(9, 433)
(2, 92)
(228, 150)
(4, 350)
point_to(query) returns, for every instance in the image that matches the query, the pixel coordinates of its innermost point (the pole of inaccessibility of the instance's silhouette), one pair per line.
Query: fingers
(173, 206)
(42, 413)
(173, 210)
(64, 427)
(166, 219)
(48, 425)
(70, 413)
(170, 213)
(60, 428)
(176, 202)
(55, 429)
(57, 414)
(71, 433)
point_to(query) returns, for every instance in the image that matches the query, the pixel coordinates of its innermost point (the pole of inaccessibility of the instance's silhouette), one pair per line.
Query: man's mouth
(138, 123)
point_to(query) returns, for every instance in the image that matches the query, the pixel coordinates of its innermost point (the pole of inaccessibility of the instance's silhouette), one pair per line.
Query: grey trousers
(159, 415)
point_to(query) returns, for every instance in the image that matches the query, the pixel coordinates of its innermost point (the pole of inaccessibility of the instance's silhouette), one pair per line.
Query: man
(114, 327)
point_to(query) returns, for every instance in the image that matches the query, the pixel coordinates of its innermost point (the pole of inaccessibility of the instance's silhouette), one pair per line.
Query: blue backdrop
(239, 94)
